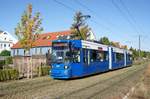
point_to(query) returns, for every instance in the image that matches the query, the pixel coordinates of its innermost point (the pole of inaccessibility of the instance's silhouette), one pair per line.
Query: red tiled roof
(45, 39)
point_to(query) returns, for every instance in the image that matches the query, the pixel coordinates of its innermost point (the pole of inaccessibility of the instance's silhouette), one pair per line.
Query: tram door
(86, 59)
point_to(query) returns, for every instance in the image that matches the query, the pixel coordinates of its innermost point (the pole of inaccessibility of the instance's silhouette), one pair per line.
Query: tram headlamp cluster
(66, 67)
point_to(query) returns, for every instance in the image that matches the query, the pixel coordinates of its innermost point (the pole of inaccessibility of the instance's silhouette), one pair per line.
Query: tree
(104, 40)
(135, 53)
(79, 29)
(28, 29)
(5, 53)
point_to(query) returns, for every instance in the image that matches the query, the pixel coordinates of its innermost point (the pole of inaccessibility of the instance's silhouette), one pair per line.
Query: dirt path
(114, 84)
(142, 89)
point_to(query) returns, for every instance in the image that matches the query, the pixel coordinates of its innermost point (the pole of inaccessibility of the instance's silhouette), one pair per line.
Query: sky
(119, 20)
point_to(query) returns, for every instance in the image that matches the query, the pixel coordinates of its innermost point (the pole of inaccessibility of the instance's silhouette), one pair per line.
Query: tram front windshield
(61, 53)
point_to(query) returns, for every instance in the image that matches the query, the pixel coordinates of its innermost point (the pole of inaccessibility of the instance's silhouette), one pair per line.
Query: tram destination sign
(60, 44)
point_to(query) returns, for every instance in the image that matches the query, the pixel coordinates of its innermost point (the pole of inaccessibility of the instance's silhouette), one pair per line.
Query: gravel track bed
(101, 86)
(87, 87)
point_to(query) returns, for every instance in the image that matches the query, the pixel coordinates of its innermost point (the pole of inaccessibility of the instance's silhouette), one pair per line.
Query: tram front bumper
(64, 74)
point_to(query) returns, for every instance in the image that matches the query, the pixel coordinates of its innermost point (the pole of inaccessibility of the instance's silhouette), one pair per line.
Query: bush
(8, 74)
(2, 63)
(5, 62)
(9, 60)
(43, 70)
(5, 53)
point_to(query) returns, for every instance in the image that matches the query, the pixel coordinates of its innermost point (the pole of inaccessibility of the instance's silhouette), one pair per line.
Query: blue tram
(78, 58)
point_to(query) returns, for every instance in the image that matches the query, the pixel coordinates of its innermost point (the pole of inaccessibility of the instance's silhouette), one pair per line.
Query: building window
(35, 50)
(9, 45)
(17, 51)
(14, 52)
(4, 45)
(26, 53)
(1, 46)
(40, 50)
(5, 38)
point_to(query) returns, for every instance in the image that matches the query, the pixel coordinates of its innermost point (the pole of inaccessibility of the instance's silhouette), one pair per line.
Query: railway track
(27, 86)
(87, 87)
(125, 76)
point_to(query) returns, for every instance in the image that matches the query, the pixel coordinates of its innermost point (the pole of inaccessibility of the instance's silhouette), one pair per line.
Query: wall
(37, 56)
(23, 63)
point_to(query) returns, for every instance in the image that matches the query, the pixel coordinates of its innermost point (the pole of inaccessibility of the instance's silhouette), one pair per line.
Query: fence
(29, 64)
(5, 61)
(2, 58)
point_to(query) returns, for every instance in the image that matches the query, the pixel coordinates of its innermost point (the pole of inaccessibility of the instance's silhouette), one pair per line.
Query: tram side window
(119, 57)
(102, 56)
(130, 57)
(93, 57)
(76, 55)
(84, 57)
(99, 56)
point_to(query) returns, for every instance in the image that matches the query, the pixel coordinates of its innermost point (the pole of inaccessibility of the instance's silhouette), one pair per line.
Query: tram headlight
(66, 67)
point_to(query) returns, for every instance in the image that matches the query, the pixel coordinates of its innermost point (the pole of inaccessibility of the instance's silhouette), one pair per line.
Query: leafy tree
(79, 29)
(104, 40)
(28, 29)
(5, 53)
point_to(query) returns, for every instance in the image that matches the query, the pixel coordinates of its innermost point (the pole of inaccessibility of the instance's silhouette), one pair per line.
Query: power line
(130, 15)
(101, 25)
(64, 5)
(83, 6)
(93, 12)
(135, 23)
(124, 16)
(73, 10)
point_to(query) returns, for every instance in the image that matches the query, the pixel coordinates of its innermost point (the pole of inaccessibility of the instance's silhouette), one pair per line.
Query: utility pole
(139, 46)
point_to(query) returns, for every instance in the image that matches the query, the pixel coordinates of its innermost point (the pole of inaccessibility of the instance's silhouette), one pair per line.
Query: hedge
(8, 74)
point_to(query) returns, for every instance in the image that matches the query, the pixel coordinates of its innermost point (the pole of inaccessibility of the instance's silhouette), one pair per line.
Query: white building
(6, 41)
(91, 35)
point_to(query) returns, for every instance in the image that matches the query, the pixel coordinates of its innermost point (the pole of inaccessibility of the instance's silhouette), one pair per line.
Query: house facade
(41, 46)
(39, 53)
(6, 41)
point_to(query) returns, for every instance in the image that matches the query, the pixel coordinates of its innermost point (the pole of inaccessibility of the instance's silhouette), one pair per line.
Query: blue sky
(108, 17)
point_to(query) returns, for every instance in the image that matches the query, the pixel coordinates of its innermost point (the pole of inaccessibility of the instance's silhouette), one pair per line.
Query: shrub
(9, 60)
(2, 63)
(8, 74)
(6, 62)
(5, 53)
(43, 70)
